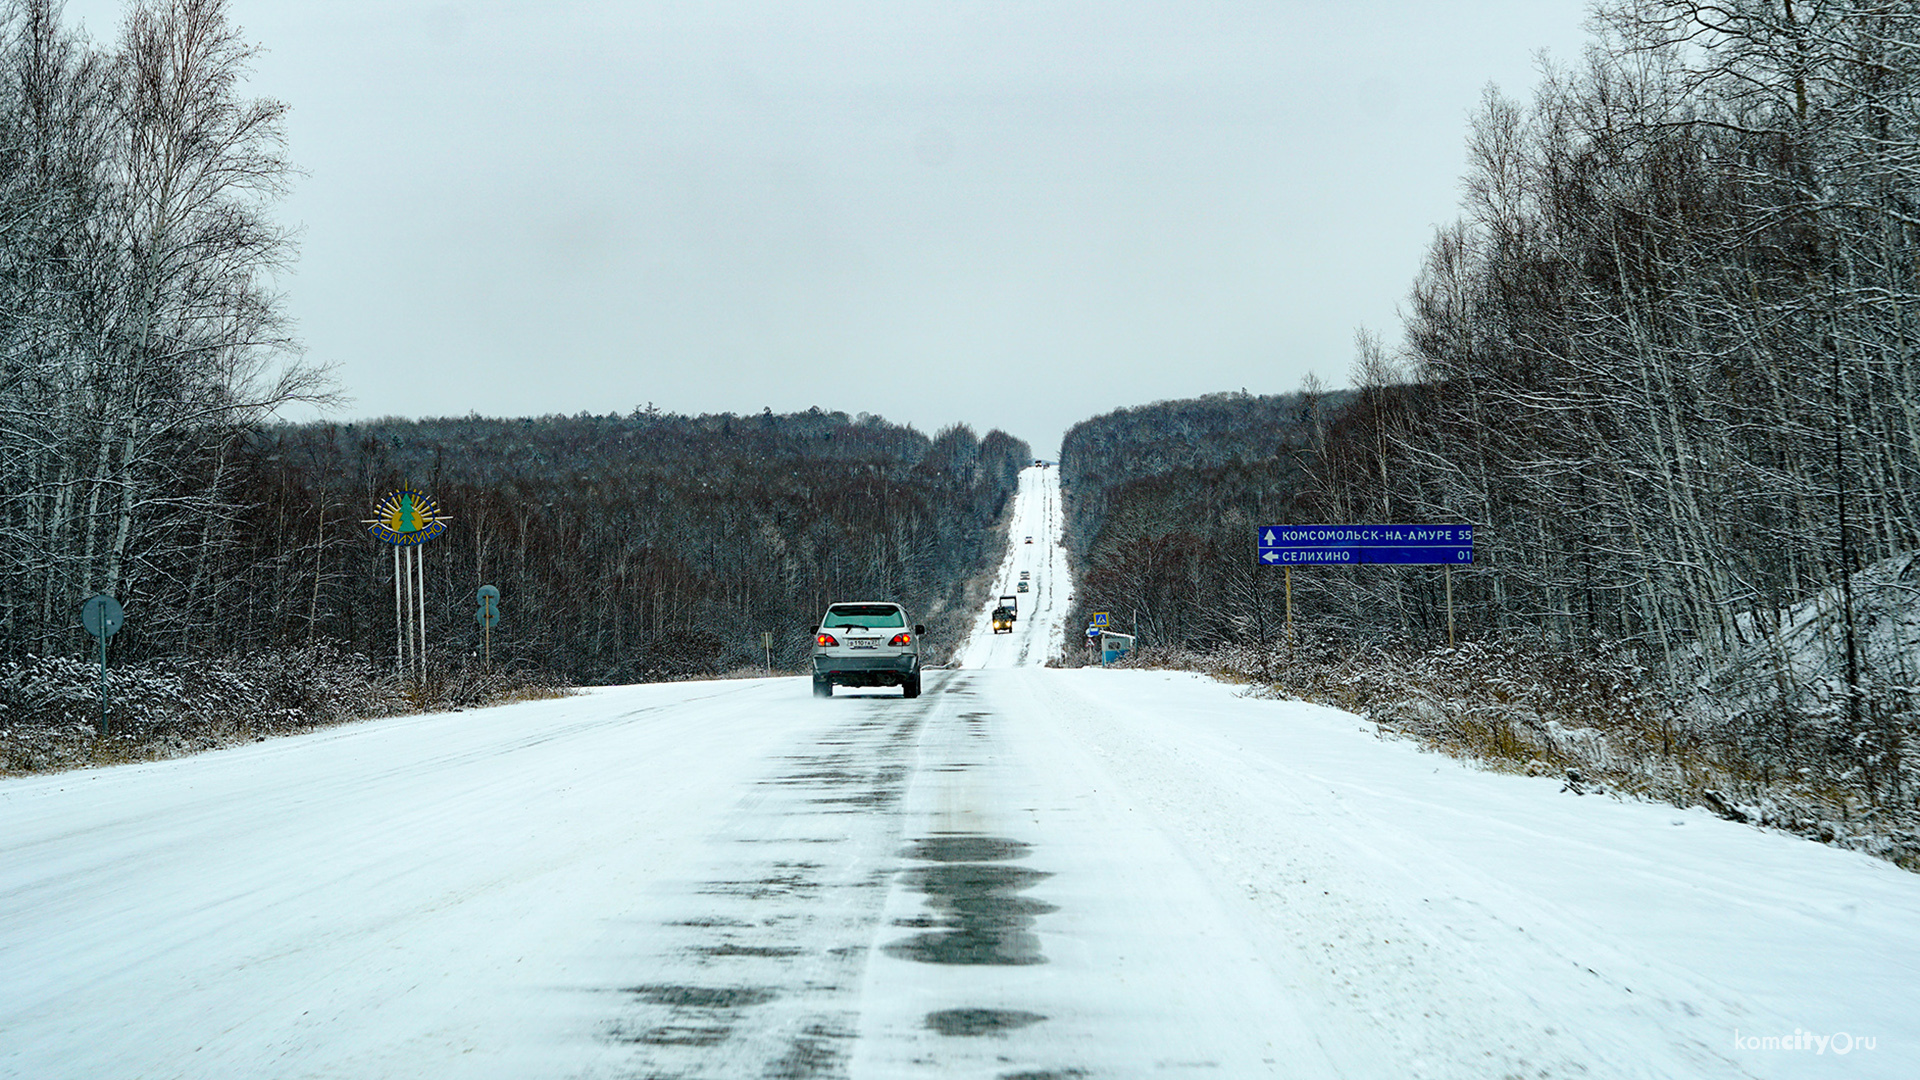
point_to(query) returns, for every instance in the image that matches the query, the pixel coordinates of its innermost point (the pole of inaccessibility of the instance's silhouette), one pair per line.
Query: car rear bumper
(901, 661)
(865, 670)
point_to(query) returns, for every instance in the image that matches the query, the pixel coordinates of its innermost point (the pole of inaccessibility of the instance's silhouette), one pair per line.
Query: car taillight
(825, 639)
(901, 639)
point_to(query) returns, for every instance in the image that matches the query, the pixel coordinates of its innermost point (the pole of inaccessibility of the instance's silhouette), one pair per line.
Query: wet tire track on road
(760, 975)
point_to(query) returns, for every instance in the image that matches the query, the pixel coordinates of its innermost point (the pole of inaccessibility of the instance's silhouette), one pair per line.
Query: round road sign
(102, 616)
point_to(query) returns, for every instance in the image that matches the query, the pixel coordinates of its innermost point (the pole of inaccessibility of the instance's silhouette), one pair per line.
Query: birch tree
(141, 332)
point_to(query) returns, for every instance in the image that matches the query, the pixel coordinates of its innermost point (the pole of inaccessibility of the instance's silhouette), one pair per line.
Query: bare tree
(143, 334)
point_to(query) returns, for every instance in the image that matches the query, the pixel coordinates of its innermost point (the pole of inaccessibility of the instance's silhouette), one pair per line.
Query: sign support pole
(399, 623)
(406, 609)
(101, 615)
(1289, 580)
(1448, 567)
(408, 519)
(420, 571)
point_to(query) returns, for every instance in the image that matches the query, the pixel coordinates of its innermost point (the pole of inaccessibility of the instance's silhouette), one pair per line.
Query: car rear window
(874, 615)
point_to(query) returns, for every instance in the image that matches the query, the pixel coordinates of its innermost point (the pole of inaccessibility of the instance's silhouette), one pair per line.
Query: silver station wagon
(866, 644)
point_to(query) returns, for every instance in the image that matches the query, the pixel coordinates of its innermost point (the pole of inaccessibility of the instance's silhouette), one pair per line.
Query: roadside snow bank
(1602, 722)
(1443, 915)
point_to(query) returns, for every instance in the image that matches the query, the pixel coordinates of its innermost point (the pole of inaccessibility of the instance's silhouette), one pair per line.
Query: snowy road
(1023, 873)
(1039, 631)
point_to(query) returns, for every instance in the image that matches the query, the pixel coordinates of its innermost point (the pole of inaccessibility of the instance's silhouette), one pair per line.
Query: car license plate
(863, 642)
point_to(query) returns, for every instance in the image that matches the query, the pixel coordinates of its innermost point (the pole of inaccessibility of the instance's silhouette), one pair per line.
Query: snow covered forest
(1162, 500)
(1666, 361)
(626, 548)
(144, 354)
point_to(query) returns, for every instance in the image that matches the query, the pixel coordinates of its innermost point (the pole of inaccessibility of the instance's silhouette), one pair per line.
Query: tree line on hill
(625, 548)
(1162, 501)
(1666, 363)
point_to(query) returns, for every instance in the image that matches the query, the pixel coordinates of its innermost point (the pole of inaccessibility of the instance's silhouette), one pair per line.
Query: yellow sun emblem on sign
(407, 518)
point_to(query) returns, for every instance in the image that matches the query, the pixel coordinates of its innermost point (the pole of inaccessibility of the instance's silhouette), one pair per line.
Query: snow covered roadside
(1436, 915)
(1221, 886)
(413, 897)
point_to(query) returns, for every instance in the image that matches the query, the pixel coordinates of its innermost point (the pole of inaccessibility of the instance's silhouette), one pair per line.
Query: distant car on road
(1005, 615)
(866, 644)
(1023, 586)
(1025, 574)
(1003, 620)
(1029, 539)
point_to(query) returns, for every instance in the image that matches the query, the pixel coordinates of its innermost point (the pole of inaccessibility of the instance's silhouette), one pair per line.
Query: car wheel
(911, 688)
(822, 687)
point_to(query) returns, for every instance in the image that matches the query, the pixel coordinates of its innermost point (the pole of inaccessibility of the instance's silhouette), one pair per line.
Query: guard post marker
(102, 616)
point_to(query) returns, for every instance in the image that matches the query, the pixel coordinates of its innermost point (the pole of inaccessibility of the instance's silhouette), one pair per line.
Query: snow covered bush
(50, 706)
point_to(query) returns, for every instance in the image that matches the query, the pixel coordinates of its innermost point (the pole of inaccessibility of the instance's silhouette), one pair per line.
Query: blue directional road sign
(1349, 545)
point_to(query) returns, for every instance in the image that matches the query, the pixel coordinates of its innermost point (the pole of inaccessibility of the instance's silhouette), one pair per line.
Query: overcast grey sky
(1013, 214)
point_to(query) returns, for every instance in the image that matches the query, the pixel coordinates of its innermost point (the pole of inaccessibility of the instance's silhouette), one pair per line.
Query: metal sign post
(488, 614)
(420, 598)
(766, 643)
(401, 632)
(102, 617)
(1289, 577)
(407, 519)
